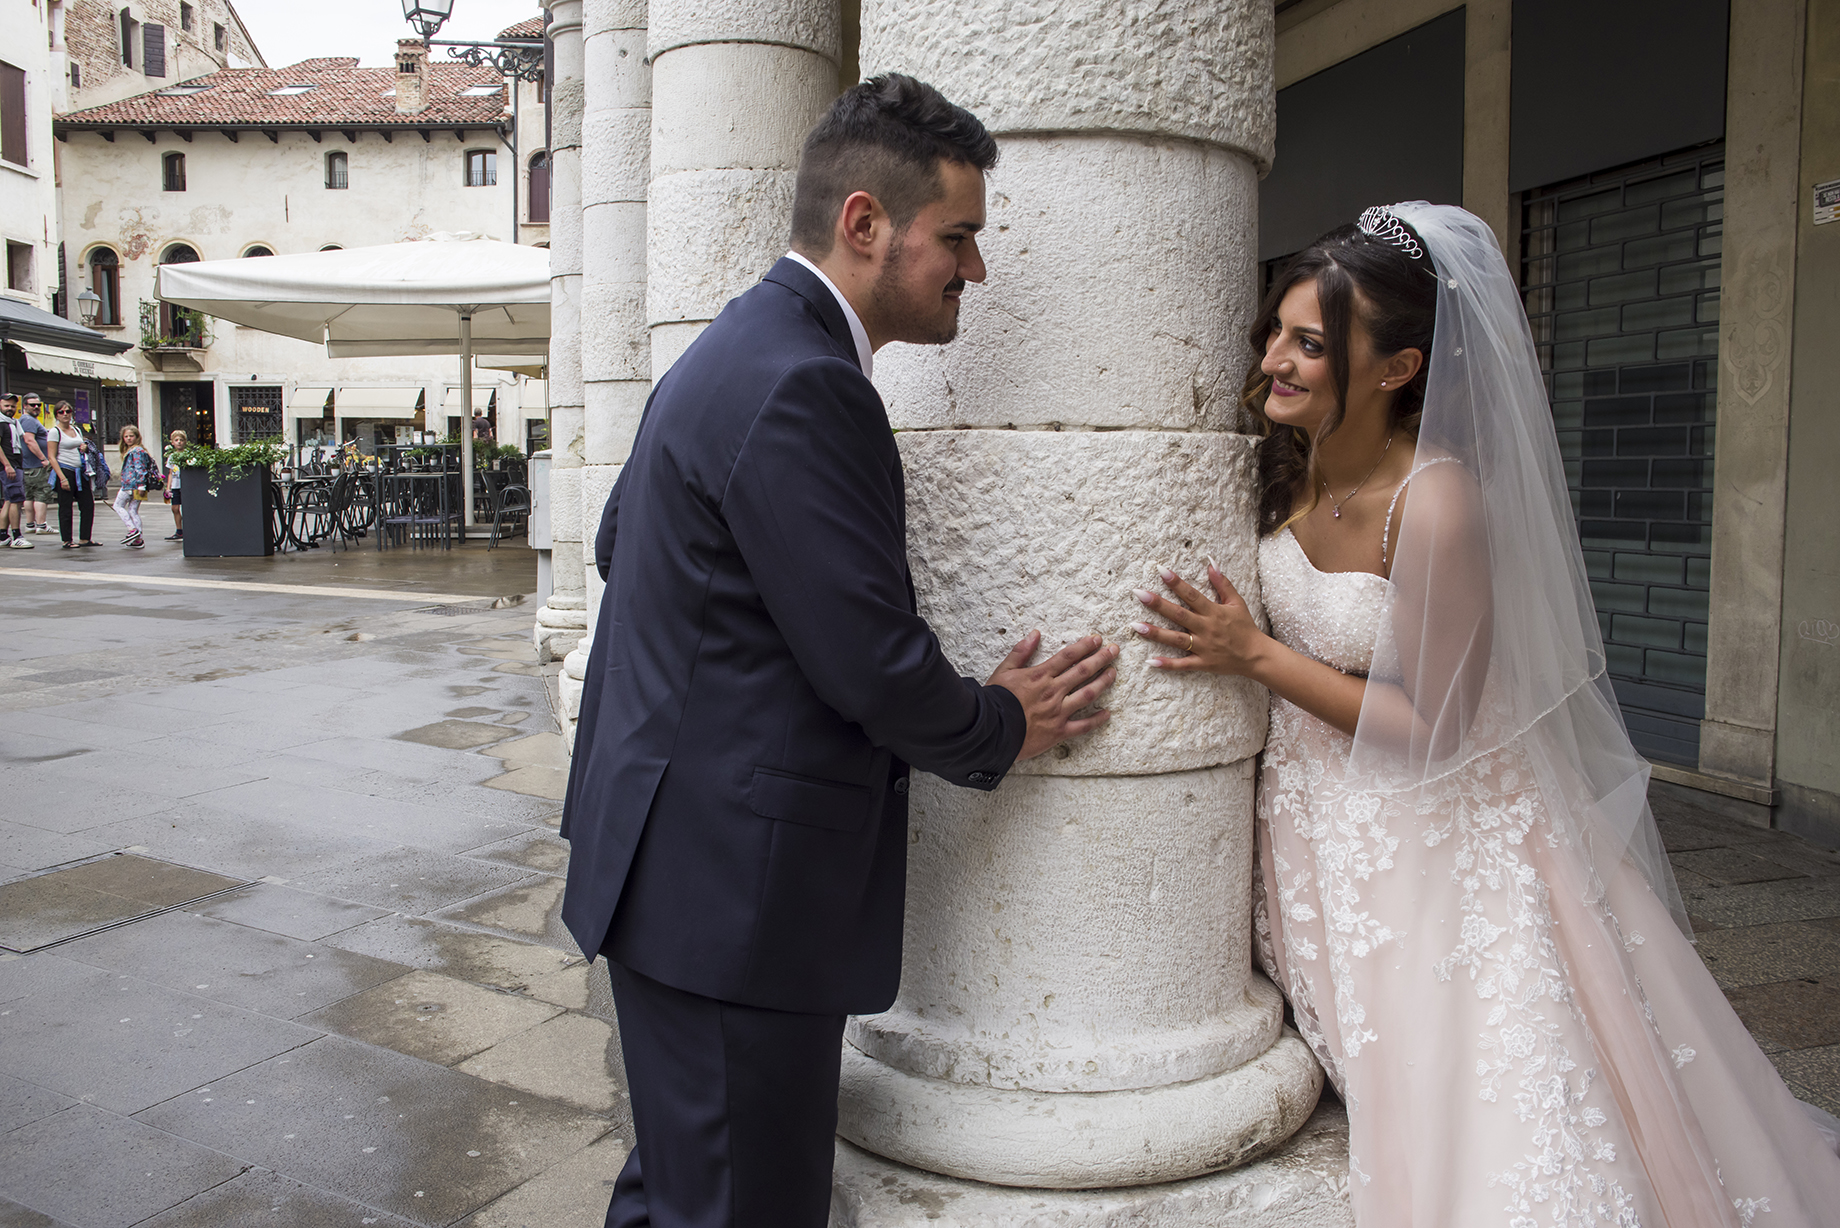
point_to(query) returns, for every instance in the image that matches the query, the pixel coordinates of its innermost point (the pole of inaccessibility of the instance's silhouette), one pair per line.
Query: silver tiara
(1381, 224)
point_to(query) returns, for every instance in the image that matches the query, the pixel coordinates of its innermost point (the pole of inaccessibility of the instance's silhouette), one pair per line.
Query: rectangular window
(120, 407)
(130, 29)
(1620, 275)
(13, 114)
(217, 36)
(185, 17)
(481, 168)
(257, 411)
(173, 172)
(19, 266)
(337, 171)
(153, 42)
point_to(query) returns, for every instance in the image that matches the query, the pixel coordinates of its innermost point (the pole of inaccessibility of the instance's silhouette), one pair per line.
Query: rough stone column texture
(616, 354)
(736, 84)
(1077, 1007)
(561, 622)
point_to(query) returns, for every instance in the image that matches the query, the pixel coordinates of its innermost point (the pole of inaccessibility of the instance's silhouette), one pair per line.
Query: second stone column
(1077, 1007)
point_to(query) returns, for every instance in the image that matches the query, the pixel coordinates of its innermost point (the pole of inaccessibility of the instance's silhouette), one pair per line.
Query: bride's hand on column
(1216, 637)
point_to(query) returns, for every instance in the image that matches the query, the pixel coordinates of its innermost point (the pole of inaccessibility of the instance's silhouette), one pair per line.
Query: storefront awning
(309, 402)
(370, 401)
(483, 396)
(55, 361)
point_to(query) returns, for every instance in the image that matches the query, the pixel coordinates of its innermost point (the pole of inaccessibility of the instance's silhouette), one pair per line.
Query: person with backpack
(138, 475)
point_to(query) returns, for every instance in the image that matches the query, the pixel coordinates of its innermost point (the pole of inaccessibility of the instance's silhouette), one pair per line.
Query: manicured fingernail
(1141, 628)
(1169, 577)
(1144, 596)
(1156, 663)
(1212, 563)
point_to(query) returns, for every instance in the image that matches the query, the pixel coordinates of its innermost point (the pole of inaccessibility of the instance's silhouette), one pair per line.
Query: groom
(760, 683)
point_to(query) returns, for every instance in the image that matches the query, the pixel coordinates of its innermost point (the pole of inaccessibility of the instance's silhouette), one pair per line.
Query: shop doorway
(189, 407)
(1621, 278)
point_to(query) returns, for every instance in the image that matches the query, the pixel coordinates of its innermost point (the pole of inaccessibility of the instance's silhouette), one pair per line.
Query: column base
(1080, 1140)
(1302, 1185)
(557, 632)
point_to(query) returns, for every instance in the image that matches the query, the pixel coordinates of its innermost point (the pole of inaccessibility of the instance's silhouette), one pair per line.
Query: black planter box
(230, 517)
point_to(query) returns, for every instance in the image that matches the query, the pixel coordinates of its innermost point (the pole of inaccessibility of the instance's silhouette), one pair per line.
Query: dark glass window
(105, 280)
(185, 16)
(217, 36)
(256, 409)
(173, 172)
(539, 188)
(257, 249)
(337, 171)
(1621, 280)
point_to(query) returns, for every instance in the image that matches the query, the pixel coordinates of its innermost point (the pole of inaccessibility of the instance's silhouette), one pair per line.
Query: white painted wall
(255, 191)
(28, 194)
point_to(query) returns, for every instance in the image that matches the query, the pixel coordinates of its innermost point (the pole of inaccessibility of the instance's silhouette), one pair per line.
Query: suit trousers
(734, 1109)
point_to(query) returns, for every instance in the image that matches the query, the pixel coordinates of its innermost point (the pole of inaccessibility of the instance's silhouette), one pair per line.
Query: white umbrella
(439, 295)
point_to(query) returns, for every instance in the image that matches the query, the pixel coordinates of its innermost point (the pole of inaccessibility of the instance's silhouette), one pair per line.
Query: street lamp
(89, 306)
(428, 16)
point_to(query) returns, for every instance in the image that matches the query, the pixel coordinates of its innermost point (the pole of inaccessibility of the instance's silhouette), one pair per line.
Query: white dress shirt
(858, 333)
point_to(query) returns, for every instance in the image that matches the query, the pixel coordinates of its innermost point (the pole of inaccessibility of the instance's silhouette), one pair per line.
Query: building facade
(31, 74)
(250, 162)
(114, 51)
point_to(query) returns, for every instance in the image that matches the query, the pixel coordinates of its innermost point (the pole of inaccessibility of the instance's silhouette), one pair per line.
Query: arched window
(258, 249)
(182, 326)
(337, 171)
(105, 280)
(539, 187)
(174, 166)
(332, 247)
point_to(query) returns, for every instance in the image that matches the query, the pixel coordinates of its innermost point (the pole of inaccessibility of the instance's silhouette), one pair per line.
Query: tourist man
(760, 683)
(12, 487)
(35, 473)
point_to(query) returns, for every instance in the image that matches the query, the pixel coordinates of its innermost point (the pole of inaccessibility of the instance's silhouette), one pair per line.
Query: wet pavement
(279, 883)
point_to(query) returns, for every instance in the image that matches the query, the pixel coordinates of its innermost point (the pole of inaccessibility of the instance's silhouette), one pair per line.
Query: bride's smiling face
(1303, 392)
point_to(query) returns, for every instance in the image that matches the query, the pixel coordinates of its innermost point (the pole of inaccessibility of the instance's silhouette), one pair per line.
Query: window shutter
(153, 50)
(13, 114)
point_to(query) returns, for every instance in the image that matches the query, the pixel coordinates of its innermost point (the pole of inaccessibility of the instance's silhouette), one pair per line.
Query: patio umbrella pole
(466, 424)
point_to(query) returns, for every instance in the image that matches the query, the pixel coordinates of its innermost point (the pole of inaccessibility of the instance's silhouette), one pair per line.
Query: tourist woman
(1461, 889)
(136, 468)
(175, 442)
(75, 483)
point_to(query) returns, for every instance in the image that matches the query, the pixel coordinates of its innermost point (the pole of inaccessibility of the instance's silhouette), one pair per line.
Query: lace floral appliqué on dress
(1495, 1016)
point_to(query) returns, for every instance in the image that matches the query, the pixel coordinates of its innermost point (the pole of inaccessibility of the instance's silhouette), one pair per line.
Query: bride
(1461, 888)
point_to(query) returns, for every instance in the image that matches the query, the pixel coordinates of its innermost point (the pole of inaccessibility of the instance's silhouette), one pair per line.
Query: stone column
(616, 356)
(736, 85)
(1077, 1008)
(561, 621)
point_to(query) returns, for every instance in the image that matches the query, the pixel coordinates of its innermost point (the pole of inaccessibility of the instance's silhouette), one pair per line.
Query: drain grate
(482, 606)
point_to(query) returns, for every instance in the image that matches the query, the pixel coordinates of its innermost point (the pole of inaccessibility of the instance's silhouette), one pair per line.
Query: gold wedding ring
(1191, 643)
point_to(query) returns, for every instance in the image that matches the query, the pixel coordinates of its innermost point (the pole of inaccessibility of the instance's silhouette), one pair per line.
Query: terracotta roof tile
(342, 95)
(530, 27)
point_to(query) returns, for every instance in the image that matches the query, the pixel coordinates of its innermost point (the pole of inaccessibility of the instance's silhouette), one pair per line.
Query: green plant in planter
(228, 464)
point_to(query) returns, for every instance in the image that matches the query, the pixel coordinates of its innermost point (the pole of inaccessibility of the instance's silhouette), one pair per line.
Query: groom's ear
(863, 225)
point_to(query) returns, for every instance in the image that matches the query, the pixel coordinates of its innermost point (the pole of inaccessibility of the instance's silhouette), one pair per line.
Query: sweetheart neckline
(1304, 555)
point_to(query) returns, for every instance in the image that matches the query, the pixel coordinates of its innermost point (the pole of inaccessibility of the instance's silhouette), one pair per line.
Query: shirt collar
(860, 335)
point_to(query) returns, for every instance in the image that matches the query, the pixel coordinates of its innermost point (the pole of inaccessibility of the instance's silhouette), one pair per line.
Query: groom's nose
(971, 261)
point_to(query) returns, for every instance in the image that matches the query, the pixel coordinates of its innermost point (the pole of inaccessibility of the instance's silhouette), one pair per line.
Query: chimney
(411, 76)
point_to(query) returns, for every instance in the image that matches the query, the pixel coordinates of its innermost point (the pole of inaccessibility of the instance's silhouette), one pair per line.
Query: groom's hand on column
(1051, 692)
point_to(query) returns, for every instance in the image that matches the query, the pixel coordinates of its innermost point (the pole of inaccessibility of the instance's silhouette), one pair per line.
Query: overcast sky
(288, 31)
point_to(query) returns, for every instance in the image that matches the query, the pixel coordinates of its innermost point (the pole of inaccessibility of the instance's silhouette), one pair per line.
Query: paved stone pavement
(278, 893)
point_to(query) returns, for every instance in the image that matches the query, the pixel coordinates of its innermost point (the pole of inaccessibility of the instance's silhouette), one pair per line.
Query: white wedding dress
(1510, 1053)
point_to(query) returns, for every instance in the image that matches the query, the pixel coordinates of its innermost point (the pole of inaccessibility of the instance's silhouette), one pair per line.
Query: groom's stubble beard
(918, 323)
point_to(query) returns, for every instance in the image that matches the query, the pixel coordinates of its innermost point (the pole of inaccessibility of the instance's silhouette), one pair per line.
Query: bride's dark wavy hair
(1398, 305)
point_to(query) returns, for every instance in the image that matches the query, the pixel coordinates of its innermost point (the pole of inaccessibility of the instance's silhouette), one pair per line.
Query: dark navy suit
(758, 686)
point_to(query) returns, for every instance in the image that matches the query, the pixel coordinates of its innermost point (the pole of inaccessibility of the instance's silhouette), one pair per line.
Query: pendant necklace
(1335, 507)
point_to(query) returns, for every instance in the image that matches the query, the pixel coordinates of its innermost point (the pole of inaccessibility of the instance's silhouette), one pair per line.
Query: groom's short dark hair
(885, 136)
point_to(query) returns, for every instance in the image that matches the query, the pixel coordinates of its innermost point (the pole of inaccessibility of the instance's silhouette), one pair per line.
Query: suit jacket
(760, 681)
